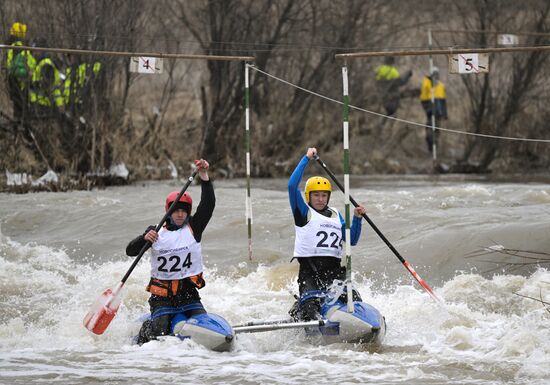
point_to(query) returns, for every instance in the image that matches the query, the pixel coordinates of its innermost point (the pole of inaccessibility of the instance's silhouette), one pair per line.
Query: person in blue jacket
(320, 231)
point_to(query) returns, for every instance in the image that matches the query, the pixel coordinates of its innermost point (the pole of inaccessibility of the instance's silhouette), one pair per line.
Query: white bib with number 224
(176, 255)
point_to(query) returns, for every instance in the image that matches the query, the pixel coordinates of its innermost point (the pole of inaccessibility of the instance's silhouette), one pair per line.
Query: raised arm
(206, 206)
(297, 203)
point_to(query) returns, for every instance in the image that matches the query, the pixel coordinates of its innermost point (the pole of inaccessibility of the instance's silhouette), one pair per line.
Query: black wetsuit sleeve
(204, 211)
(135, 245)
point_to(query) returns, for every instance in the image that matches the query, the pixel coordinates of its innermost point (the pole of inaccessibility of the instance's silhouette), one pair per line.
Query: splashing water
(58, 252)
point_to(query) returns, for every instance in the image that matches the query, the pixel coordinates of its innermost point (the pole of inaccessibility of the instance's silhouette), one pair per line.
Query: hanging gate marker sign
(507, 39)
(468, 63)
(146, 65)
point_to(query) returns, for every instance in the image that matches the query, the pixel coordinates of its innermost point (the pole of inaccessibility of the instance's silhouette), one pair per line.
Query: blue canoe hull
(364, 325)
(208, 329)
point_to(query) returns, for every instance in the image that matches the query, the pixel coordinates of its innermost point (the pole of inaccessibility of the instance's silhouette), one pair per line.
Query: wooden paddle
(407, 265)
(106, 306)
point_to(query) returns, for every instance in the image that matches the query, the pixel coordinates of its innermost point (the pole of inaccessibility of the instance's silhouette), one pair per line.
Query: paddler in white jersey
(176, 259)
(320, 231)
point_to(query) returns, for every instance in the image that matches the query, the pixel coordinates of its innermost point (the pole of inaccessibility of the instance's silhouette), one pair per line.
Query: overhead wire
(397, 119)
(239, 46)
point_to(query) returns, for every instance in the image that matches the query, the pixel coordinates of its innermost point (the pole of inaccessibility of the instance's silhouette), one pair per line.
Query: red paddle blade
(103, 311)
(421, 281)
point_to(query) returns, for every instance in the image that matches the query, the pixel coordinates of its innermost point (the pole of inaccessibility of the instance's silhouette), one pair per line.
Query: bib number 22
(326, 238)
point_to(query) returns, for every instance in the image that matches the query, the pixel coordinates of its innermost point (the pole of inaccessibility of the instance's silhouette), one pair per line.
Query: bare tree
(496, 100)
(295, 40)
(200, 105)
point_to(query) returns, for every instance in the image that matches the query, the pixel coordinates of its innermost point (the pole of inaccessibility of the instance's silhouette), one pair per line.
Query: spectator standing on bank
(435, 110)
(20, 65)
(388, 84)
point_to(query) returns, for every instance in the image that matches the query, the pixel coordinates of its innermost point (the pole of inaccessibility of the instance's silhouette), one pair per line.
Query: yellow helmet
(18, 30)
(317, 183)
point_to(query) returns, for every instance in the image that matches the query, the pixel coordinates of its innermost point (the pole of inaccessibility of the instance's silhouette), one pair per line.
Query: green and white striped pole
(346, 188)
(431, 60)
(248, 202)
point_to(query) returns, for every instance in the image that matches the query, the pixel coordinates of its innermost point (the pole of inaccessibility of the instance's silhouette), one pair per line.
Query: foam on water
(483, 334)
(483, 330)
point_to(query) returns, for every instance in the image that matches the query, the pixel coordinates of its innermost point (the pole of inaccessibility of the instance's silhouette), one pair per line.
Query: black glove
(149, 228)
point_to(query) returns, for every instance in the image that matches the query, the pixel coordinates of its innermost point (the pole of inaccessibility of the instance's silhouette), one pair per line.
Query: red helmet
(185, 199)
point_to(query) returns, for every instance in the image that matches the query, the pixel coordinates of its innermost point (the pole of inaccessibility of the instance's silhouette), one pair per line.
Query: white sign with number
(146, 65)
(468, 63)
(508, 39)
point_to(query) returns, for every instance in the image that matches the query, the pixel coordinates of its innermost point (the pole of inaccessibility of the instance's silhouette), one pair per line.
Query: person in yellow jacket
(45, 92)
(20, 65)
(388, 82)
(439, 107)
(77, 80)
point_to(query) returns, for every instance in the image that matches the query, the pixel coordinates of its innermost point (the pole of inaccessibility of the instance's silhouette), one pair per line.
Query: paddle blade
(422, 283)
(103, 311)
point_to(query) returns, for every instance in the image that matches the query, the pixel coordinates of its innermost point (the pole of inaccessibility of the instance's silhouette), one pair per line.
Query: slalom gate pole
(248, 201)
(349, 286)
(432, 92)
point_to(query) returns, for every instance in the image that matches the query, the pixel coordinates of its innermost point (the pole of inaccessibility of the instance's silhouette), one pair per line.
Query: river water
(59, 251)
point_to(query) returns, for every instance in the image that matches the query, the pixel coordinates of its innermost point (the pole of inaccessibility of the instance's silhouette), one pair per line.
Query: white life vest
(176, 255)
(321, 236)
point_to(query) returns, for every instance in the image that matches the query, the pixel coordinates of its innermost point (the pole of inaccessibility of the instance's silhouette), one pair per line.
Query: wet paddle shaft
(371, 223)
(106, 306)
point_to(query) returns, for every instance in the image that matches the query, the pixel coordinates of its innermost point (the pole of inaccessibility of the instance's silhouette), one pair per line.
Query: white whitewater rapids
(59, 250)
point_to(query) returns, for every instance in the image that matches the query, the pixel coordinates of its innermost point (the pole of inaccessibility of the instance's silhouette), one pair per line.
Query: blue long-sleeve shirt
(300, 208)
